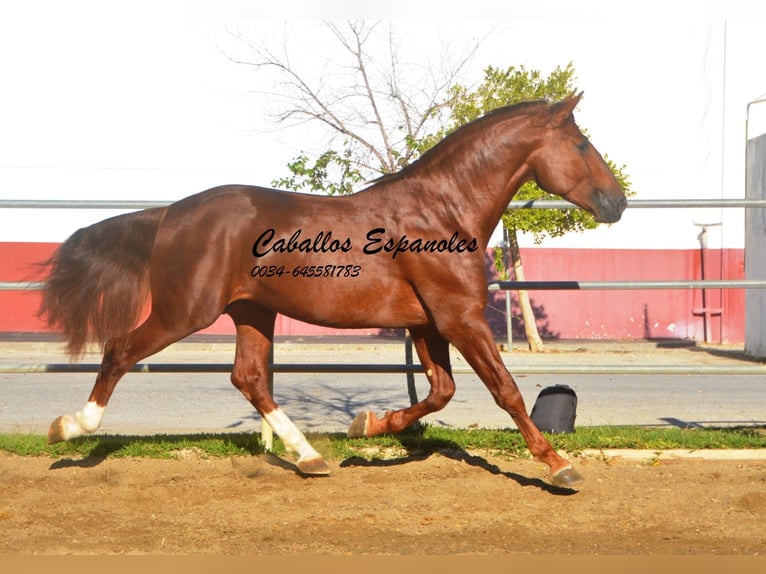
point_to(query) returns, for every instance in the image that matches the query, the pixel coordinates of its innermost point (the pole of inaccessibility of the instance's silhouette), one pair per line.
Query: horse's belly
(339, 302)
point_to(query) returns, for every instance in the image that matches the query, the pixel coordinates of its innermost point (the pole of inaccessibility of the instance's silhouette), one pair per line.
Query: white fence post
(755, 249)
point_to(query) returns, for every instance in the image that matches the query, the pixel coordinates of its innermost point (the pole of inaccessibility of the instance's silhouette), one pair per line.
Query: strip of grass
(426, 439)
(122, 446)
(510, 442)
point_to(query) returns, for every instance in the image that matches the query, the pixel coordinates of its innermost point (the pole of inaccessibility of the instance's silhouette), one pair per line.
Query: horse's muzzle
(608, 208)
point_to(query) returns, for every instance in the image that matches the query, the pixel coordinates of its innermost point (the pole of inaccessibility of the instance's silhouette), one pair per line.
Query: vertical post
(508, 310)
(509, 319)
(267, 433)
(703, 248)
(705, 312)
(755, 247)
(411, 390)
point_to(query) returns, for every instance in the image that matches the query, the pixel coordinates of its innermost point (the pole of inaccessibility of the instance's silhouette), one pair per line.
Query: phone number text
(306, 271)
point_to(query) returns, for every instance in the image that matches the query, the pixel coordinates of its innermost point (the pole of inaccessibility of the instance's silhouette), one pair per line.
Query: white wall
(139, 103)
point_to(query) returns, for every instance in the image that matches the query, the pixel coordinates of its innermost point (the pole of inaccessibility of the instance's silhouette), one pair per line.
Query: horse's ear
(562, 111)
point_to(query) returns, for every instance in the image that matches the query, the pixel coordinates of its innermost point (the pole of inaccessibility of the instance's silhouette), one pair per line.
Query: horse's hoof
(57, 431)
(313, 466)
(567, 477)
(358, 428)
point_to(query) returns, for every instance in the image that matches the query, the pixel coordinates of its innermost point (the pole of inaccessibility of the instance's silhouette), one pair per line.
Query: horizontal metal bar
(210, 368)
(541, 285)
(644, 203)
(79, 204)
(563, 369)
(625, 285)
(516, 204)
(754, 369)
(21, 285)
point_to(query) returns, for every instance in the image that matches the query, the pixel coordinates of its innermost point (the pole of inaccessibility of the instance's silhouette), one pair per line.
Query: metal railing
(516, 204)
(392, 368)
(492, 286)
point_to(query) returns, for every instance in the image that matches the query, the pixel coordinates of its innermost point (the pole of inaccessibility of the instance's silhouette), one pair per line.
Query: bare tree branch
(357, 50)
(372, 102)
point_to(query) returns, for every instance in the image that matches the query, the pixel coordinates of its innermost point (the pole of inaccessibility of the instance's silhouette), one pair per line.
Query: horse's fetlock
(89, 418)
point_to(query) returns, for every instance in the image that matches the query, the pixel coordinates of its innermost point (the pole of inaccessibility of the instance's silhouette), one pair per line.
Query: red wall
(636, 314)
(18, 309)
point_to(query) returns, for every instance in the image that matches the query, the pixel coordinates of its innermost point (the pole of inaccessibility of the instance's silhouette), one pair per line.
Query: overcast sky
(135, 100)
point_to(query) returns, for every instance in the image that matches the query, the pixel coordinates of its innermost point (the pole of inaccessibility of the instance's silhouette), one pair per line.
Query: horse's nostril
(622, 204)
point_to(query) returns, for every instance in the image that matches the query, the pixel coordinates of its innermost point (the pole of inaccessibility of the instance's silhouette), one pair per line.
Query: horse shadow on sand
(101, 447)
(416, 445)
(419, 448)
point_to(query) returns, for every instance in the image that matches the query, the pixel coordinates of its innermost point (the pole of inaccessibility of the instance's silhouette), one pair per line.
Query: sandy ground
(447, 503)
(451, 502)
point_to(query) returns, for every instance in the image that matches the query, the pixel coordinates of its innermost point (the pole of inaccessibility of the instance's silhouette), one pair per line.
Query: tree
(373, 102)
(502, 88)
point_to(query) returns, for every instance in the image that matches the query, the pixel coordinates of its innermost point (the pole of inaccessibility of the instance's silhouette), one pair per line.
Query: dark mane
(519, 108)
(492, 115)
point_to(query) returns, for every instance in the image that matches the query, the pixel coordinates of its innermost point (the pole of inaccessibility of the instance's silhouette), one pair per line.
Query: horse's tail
(98, 279)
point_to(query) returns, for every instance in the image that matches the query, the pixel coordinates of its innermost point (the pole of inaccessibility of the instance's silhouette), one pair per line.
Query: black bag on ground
(555, 409)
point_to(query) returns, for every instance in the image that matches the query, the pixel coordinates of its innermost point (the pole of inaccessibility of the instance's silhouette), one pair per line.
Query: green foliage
(331, 173)
(498, 89)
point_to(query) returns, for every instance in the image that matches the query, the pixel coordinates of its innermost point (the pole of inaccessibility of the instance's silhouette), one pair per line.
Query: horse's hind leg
(255, 332)
(433, 351)
(120, 355)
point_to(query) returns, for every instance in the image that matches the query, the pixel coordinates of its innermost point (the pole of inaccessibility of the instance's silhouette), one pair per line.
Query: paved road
(207, 402)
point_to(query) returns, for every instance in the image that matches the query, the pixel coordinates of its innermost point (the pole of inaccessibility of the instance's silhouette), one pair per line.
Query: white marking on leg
(84, 422)
(292, 438)
(90, 417)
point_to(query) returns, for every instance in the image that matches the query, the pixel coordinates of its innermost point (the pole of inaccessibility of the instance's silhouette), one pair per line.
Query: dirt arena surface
(452, 502)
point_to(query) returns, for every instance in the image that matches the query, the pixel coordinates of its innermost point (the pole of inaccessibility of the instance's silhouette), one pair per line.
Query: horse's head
(566, 164)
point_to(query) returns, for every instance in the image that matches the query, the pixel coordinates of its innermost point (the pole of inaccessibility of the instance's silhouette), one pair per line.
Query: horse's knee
(508, 397)
(253, 386)
(240, 383)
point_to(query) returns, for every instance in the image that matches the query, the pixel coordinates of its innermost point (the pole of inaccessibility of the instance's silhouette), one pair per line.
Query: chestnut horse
(406, 252)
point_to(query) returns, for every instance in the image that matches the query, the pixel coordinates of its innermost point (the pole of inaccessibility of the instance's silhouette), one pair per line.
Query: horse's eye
(583, 146)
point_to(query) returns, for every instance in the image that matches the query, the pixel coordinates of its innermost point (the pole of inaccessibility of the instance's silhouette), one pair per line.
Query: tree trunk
(530, 323)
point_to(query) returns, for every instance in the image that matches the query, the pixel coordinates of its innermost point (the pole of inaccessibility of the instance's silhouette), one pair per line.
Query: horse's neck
(478, 187)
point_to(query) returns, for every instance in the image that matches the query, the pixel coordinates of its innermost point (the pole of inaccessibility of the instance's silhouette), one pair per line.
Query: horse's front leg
(255, 331)
(433, 351)
(473, 338)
